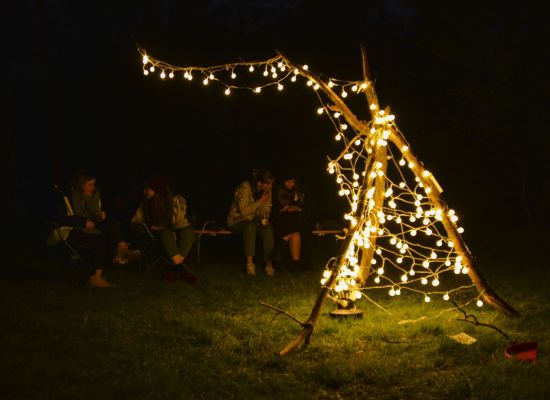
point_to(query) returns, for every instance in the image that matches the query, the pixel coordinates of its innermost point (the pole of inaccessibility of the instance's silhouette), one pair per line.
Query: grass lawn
(147, 339)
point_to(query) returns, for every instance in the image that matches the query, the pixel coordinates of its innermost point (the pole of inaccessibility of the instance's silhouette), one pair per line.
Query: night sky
(466, 80)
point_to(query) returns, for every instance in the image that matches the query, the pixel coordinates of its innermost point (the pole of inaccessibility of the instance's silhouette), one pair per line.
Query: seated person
(164, 214)
(93, 229)
(291, 220)
(249, 216)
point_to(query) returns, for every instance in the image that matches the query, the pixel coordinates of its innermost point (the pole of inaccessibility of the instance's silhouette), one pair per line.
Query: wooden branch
(381, 156)
(369, 91)
(358, 125)
(476, 322)
(488, 294)
(280, 311)
(309, 325)
(379, 182)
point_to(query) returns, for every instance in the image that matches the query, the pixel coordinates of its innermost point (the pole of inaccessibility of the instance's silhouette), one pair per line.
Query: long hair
(159, 208)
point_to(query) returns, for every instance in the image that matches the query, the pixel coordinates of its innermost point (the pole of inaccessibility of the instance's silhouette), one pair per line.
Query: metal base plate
(344, 313)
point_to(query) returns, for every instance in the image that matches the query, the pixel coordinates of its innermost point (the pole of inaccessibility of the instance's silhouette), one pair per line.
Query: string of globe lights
(395, 213)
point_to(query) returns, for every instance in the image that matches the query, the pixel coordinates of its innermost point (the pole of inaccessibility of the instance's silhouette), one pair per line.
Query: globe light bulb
(251, 68)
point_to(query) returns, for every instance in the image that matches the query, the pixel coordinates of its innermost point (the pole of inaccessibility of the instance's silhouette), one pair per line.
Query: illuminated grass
(147, 339)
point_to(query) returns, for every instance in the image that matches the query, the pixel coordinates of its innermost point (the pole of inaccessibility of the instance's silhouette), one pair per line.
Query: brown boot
(99, 281)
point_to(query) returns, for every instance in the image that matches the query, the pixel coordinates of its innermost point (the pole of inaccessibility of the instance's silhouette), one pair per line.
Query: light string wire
(408, 230)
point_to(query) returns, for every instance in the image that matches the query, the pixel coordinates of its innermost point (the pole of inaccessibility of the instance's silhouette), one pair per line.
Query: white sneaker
(251, 269)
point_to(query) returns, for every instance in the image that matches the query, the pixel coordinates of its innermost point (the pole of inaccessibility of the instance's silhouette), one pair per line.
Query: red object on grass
(526, 351)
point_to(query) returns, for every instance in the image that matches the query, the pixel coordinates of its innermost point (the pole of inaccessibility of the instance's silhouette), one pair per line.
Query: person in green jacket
(92, 228)
(249, 216)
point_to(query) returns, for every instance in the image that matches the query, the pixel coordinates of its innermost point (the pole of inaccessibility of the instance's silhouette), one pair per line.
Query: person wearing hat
(249, 216)
(165, 215)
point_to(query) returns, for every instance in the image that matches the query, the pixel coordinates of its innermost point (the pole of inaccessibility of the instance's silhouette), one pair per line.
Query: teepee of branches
(402, 236)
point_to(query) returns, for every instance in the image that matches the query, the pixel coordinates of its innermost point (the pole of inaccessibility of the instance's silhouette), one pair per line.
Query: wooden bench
(204, 231)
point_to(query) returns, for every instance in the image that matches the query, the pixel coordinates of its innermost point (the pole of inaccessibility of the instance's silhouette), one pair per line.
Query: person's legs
(168, 240)
(186, 238)
(268, 241)
(112, 232)
(98, 246)
(294, 244)
(170, 243)
(248, 231)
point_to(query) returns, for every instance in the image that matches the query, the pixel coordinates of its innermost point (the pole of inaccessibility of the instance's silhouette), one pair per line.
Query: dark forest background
(467, 81)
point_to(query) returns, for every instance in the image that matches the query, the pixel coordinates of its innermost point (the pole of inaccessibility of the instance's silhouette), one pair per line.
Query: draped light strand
(411, 251)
